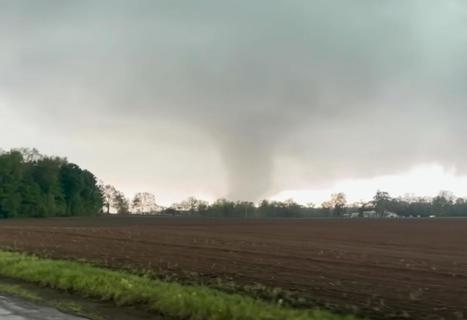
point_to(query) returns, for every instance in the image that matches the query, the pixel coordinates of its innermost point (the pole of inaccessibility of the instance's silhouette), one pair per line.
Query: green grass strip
(171, 299)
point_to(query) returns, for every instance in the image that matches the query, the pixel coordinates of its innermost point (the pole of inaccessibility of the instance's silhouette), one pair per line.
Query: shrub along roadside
(170, 299)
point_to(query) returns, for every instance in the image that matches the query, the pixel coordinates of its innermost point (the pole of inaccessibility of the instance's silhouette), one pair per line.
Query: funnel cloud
(240, 99)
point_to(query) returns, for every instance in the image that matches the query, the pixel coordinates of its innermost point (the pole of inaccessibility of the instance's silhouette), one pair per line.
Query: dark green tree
(33, 185)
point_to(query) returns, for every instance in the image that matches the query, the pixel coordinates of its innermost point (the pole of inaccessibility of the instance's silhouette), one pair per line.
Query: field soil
(407, 268)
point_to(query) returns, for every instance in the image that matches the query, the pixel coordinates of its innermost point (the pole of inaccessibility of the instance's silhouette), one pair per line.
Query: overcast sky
(243, 99)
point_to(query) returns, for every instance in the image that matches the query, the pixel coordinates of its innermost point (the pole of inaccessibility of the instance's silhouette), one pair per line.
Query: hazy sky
(244, 99)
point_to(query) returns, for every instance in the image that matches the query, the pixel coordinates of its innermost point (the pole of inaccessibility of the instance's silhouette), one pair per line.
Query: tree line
(443, 205)
(34, 185)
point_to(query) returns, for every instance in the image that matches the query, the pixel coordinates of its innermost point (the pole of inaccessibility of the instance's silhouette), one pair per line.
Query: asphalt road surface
(12, 308)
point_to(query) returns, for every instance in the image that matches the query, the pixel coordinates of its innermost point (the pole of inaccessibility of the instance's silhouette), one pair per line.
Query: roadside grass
(173, 300)
(287, 298)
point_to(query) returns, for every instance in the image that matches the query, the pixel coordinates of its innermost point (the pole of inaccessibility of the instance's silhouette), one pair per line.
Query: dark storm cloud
(341, 89)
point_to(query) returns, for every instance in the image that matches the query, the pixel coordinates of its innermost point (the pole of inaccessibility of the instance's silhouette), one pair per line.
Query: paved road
(12, 308)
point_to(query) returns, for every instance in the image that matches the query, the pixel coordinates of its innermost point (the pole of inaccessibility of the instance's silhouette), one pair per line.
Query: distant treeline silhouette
(33, 185)
(382, 205)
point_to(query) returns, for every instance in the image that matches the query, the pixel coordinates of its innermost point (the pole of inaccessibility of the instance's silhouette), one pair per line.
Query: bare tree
(108, 194)
(121, 203)
(337, 204)
(191, 205)
(114, 200)
(144, 203)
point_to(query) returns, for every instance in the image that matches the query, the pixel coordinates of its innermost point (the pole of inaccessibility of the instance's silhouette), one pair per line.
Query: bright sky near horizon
(242, 99)
(420, 181)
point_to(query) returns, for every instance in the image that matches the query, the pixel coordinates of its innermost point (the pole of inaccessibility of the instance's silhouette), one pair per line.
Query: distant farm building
(369, 214)
(389, 214)
(373, 214)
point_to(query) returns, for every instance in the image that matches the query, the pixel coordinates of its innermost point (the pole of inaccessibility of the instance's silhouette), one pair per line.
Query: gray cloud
(339, 89)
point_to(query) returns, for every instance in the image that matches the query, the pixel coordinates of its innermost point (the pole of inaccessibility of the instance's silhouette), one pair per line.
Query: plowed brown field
(412, 268)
